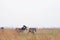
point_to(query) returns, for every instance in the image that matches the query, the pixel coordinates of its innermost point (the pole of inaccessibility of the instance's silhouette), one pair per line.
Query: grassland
(41, 34)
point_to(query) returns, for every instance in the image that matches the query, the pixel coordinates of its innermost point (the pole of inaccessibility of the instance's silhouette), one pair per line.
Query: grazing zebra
(32, 30)
(21, 29)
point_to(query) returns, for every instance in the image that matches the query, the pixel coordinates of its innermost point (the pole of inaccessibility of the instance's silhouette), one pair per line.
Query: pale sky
(32, 13)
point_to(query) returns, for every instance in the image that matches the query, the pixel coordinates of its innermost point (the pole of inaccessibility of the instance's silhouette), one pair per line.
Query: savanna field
(41, 34)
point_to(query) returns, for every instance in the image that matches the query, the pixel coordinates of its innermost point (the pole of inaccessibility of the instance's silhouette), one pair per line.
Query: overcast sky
(32, 13)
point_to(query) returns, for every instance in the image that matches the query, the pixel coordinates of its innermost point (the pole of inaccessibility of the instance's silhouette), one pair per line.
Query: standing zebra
(2, 28)
(32, 30)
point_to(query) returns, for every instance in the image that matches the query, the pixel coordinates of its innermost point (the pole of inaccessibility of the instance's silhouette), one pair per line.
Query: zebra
(2, 28)
(21, 29)
(32, 30)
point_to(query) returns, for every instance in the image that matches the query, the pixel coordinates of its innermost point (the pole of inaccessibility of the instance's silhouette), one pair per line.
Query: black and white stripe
(21, 29)
(32, 30)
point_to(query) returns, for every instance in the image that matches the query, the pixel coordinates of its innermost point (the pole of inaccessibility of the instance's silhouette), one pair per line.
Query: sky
(32, 13)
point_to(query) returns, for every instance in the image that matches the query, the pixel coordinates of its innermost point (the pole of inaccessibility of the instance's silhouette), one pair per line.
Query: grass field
(41, 34)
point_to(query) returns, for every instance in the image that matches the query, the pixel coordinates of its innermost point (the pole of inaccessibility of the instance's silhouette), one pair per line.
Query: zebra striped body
(32, 30)
(21, 29)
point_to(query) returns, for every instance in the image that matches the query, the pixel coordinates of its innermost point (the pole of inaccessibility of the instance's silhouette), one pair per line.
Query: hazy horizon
(32, 13)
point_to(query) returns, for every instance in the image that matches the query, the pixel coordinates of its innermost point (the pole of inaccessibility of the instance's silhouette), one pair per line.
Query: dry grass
(41, 34)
